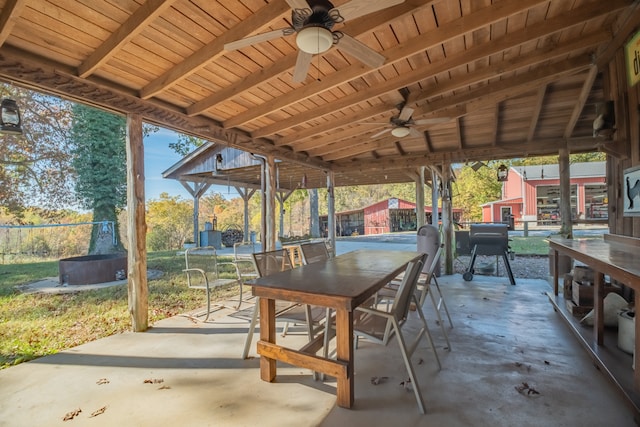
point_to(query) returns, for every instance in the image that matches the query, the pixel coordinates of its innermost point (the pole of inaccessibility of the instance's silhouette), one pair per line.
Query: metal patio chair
(203, 271)
(245, 269)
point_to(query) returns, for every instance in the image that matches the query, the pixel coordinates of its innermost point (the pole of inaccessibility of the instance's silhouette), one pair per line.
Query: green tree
(169, 222)
(99, 158)
(474, 188)
(35, 167)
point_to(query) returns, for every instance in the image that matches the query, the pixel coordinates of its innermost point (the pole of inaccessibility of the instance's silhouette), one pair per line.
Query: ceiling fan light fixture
(400, 131)
(314, 40)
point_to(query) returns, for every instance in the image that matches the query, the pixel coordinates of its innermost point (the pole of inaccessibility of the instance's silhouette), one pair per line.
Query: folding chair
(379, 325)
(424, 287)
(271, 262)
(314, 252)
(203, 272)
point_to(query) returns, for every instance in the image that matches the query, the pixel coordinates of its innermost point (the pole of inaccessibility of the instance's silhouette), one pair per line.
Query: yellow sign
(632, 55)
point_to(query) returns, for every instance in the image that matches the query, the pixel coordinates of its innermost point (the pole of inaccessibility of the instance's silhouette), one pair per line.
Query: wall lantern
(502, 173)
(303, 182)
(10, 121)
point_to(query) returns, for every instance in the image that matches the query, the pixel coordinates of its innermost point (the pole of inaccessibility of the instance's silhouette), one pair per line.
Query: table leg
(268, 334)
(598, 307)
(345, 352)
(555, 272)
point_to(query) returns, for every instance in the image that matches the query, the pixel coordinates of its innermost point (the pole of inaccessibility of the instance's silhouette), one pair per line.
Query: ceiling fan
(312, 21)
(402, 125)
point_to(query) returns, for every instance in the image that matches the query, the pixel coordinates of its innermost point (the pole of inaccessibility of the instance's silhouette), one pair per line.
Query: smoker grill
(489, 239)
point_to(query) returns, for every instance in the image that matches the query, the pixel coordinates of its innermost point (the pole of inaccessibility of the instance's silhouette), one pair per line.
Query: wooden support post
(447, 218)
(270, 211)
(331, 214)
(435, 217)
(420, 220)
(136, 226)
(566, 227)
(314, 225)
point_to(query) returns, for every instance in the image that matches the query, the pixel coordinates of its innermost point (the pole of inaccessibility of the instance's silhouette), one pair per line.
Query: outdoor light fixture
(303, 183)
(219, 159)
(503, 172)
(314, 39)
(400, 131)
(10, 121)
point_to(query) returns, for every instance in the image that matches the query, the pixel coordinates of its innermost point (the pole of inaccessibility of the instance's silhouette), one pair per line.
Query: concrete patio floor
(187, 373)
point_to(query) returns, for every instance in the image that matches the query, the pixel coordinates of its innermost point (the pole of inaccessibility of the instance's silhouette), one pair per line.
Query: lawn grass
(35, 325)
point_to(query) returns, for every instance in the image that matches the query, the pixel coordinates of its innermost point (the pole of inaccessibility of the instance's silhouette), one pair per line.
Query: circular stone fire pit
(90, 269)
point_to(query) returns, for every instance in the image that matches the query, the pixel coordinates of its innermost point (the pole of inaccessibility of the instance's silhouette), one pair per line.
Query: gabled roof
(552, 171)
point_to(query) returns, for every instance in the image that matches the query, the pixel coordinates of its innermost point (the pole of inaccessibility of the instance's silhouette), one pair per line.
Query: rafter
(420, 43)
(133, 26)
(353, 28)
(582, 99)
(533, 124)
(575, 17)
(215, 49)
(10, 12)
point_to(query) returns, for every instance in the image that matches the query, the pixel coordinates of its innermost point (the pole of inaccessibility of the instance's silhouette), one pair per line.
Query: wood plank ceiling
(485, 79)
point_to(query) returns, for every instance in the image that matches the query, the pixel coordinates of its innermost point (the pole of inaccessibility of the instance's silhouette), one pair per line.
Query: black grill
(489, 239)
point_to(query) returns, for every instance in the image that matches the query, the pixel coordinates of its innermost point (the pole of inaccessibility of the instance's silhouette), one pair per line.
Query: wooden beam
(459, 141)
(399, 148)
(353, 28)
(533, 148)
(255, 22)
(418, 44)
(482, 97)
(582, 99)
(10, 12)
(136, 227)
(427, 142)
(24, 69)
(605, 55)
(536, 112)
(496, 124)
(472, 54)
(134, 25)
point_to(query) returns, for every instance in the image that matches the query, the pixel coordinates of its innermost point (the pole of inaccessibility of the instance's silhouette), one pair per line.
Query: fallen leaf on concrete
(71, 415)
(98, 412)
(102, 381)
(378, 380)
(164, 387)
(524, 388)
(154, 381)
(546, 362)
(420, 361)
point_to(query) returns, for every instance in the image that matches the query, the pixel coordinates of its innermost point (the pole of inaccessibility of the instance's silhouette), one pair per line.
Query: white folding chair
(380, 326)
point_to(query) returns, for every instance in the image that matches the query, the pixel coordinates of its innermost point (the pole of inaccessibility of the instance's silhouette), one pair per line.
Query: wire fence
(28, 243)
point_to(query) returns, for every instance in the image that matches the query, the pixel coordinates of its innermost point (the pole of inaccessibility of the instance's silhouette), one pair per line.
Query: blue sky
(158, 157)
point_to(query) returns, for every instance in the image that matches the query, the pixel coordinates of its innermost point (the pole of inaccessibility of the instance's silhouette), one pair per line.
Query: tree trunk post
(420, 218)
(136, 226)
(566, 227)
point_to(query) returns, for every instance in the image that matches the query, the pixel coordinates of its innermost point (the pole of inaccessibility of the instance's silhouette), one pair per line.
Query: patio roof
(484, 79)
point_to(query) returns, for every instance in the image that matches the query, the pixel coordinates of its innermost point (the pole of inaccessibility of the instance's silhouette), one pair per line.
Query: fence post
(526, 228)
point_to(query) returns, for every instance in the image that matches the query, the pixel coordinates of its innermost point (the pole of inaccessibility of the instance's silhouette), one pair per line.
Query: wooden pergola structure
(469, 79)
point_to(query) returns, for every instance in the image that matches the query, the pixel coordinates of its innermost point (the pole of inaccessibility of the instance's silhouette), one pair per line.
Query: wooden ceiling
(506, 78)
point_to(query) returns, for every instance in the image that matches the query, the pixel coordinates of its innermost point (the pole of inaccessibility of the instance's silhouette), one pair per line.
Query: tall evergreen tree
(100, 163)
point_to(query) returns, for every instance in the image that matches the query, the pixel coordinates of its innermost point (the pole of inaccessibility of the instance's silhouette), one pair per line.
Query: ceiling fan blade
(432, 121)
(405, 114)
(382, 132)
(415, 133)
(361, 51)
(357, 8)
(258, 38)
(298, 4)
(302, 66)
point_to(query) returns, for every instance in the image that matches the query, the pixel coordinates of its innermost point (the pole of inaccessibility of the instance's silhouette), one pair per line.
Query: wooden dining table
(342, 284)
